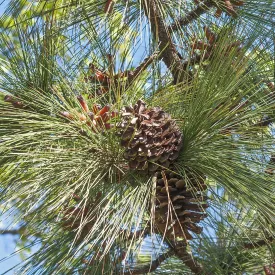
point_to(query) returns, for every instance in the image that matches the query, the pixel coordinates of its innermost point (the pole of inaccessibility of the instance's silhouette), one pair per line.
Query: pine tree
(137, 137)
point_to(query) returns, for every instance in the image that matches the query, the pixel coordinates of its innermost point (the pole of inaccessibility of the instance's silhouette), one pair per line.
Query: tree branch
(130, 235)
(131, 75)
(180, 249)
(192, 15)
(259, 243)
(11, 232)
(20, 231)
(150, 267)
(168, 51)
(146, 62)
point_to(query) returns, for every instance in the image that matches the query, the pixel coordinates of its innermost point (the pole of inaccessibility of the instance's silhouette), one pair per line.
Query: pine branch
(192, 15)
(180, 249)
(150, 267)
(131, 75)
(11, 232)
(252, 245)
(103, 77)
(20, 231)
(168, 51)
(130, 235)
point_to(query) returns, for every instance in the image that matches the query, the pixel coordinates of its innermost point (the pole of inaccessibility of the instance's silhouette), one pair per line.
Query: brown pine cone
(151, 138)
(180, 204)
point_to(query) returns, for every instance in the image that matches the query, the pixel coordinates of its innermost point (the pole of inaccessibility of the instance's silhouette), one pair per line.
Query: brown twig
(192, 15)
(136, 234)
(20, 231)
(11, 232)
(168, 51)
(259, 243)
(264, 122)
(131, 75)
(106, 81)
(180, 249)
(150, 267)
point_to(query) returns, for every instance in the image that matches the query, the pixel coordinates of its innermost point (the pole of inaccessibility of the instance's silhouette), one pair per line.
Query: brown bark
(150, 267)
(192, 15)
(168, 51)
(180, 249)
(131, 75)
(259, 243)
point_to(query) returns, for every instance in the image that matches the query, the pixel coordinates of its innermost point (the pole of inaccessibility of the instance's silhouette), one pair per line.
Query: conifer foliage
(137, 137)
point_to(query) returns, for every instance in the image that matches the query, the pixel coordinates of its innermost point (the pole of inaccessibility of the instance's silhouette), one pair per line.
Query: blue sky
(8, 246)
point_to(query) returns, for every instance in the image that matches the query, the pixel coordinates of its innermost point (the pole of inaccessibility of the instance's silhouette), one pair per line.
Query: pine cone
(151, 138)
(179, 206)
(98, 118)
(16, 103)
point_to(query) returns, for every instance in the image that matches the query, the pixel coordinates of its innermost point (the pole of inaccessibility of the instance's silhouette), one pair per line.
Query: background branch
(11, 232)
(132, 75)
(20, 231)
(180, 249)
(252, 245)
(130, 235)
(192, 15)
(146, 62)
(151, 266)
(168, 51)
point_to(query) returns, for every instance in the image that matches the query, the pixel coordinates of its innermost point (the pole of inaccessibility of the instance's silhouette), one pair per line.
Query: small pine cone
(98, 118)
(151, 138)
(180, 203)
(16, 104)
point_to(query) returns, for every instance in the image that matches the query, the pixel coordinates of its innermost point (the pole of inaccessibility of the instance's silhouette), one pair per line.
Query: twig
(264, 122)
(131, 75)
(20, 231)
(192, 15)
(136, 234)
(150, 267)
(105, 80)
(259, 243)
(11, 232)
(168, 51)
(180, 249)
